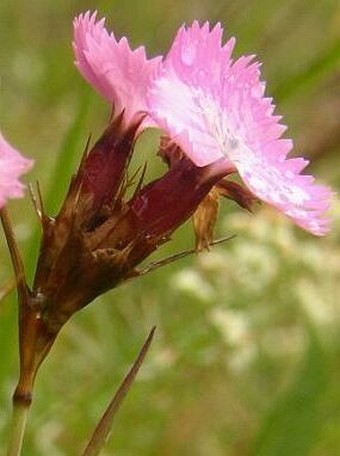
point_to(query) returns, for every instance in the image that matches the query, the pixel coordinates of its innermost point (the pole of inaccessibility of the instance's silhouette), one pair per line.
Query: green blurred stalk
(17, 430)
(309, 77)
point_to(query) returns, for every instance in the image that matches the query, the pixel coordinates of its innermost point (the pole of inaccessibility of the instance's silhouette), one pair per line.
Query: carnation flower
(214, 107)
(119, 73)
(12, 165)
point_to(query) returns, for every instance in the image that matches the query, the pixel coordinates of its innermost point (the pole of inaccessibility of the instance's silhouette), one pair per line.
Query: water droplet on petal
(201, 76)
(189, 54)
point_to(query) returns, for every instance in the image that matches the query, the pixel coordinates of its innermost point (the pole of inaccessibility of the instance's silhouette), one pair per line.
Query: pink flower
(120, 74)
(12, 165)
(214, 107)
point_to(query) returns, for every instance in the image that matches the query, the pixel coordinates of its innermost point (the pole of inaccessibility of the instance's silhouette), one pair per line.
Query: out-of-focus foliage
(245, 359)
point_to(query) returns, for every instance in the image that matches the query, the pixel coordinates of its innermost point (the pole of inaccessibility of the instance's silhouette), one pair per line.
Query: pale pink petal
(120, 74)
(12, 166)
(213, 107)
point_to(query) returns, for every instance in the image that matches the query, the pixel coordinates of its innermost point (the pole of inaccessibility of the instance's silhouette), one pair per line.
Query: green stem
(18, 425)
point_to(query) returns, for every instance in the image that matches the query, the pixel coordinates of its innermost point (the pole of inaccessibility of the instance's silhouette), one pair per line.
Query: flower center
(218, 124)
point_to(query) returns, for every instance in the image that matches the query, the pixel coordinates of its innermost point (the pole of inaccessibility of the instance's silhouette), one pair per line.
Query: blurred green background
(246, 358)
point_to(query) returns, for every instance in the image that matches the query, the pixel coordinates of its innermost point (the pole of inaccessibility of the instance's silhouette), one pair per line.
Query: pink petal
(12, 165)
(213, 108)
(120, 74)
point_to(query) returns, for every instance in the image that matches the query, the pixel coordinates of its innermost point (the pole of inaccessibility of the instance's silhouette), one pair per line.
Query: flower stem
(22, 396)
(18, 425)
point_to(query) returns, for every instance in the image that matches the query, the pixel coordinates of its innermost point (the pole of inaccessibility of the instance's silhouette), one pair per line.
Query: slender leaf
(103, 429)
